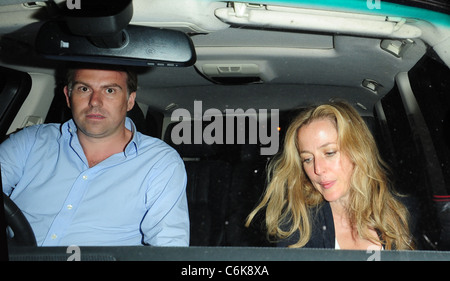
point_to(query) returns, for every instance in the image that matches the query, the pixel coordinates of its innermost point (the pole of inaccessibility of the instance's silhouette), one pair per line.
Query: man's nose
(96, 99)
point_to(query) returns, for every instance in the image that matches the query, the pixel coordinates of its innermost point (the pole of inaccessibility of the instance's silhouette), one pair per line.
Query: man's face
(99, 102)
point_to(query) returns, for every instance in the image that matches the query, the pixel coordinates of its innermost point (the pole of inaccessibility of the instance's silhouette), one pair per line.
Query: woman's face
(328, 169)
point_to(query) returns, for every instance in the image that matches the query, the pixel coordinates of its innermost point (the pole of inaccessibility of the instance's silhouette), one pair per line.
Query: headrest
(249, 152)
(191, 150)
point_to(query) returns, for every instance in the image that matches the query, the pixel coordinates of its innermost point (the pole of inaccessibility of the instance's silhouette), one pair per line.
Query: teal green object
(375, 7)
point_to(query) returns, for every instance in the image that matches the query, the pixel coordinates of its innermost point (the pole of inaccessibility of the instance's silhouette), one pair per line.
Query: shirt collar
(132, 146)
(69, 130)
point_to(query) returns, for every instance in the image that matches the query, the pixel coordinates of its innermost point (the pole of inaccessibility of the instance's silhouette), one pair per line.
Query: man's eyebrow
(79, 82)
(112, 85)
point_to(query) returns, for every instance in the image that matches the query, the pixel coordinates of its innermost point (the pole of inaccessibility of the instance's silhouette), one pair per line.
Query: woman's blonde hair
(372, 204)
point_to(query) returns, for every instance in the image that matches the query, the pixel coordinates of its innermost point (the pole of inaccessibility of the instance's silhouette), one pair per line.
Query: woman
(328, 188)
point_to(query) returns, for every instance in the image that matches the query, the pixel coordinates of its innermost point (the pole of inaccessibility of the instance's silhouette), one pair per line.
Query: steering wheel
(23, 233)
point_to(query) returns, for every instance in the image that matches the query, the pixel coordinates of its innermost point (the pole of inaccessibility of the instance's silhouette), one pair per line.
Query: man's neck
(98, 149)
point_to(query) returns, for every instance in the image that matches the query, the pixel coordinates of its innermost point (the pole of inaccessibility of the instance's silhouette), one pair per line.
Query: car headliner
(292, 65)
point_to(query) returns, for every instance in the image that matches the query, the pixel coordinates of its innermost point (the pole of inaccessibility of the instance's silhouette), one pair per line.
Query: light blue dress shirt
(132, 198)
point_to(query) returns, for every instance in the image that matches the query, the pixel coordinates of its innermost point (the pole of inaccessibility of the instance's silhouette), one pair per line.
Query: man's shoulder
(38, 130)
(154, 145)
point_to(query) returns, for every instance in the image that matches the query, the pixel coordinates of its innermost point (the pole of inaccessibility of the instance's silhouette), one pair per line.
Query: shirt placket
(67, 212)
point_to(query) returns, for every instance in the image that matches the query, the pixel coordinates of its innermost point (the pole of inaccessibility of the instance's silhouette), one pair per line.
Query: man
(95, 180)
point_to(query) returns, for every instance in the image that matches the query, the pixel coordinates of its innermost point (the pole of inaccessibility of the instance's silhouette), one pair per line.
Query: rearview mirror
(142, 46)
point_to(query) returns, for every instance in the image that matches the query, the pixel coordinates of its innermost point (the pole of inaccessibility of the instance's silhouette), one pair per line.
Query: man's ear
(66, 93)
(131, 101)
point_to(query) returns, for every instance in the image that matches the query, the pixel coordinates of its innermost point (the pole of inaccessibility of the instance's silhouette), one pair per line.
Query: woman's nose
(319, 166)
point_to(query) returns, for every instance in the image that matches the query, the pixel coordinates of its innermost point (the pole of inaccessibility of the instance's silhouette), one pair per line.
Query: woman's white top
(337, 247)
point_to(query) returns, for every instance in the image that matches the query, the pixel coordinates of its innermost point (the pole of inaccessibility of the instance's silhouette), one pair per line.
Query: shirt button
(69, 207)
(54, 236)
(85, 177)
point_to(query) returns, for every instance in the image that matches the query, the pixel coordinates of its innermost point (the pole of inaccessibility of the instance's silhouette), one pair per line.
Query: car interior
(235, 73)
